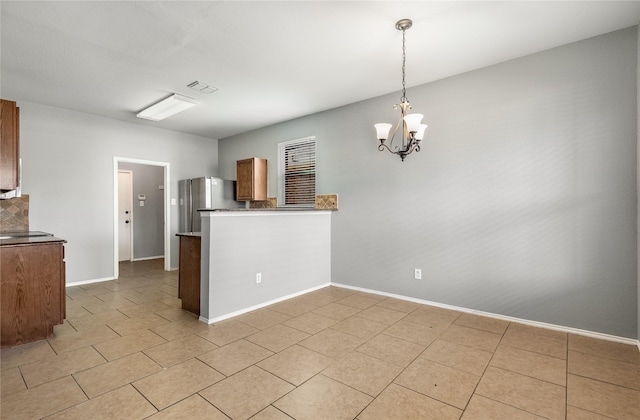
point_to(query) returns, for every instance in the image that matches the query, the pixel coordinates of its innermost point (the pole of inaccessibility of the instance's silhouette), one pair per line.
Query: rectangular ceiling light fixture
(166, 107)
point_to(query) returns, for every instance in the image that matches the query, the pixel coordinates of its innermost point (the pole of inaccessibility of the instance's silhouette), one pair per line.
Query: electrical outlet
(417, 274)
(258, 278)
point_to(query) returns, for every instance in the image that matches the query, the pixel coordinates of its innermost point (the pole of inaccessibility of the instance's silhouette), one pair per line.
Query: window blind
(297, 172)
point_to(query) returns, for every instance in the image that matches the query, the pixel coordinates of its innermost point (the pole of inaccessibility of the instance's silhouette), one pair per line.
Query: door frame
(131, 217)
(167, 226)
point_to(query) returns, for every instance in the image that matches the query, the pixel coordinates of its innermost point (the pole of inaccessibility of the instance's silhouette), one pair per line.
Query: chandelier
(412, 128)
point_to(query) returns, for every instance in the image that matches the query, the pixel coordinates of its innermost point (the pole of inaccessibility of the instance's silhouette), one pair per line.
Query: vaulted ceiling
(271, 60)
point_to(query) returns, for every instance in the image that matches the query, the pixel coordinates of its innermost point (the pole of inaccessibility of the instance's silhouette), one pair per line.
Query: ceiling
(271, 60)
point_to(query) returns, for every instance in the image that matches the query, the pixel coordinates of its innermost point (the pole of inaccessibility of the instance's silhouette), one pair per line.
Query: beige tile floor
(127, 351)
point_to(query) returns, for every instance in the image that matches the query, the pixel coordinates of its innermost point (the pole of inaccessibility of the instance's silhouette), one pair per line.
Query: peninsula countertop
(190, 234)
(270, 209)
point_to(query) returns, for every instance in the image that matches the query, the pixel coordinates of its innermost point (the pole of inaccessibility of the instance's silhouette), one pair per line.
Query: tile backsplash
(327, 202)
(14, 214)
(269, 203)
(323, 202)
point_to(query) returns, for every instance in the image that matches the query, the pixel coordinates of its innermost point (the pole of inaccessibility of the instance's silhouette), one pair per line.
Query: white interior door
(125, 216)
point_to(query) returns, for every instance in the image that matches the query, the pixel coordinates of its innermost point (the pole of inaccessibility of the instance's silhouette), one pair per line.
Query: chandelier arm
(395, 131)
(383, 146)
(401, 153)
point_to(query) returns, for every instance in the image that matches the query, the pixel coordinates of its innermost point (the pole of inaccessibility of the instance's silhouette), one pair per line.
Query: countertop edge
(190, 234)
(269, 210)
(39, 240)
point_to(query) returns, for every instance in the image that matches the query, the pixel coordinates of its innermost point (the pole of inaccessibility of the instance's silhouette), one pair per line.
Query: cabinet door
(31, 292)
(9, 145)
(189, 273)
(244, 184)
(62, 314)
(251, 177)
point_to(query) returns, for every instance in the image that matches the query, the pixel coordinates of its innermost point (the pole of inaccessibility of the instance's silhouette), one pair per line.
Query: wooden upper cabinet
(9, 145)
(251, 175)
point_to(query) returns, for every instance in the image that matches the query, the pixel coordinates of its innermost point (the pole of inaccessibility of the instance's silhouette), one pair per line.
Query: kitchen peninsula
(255, 257)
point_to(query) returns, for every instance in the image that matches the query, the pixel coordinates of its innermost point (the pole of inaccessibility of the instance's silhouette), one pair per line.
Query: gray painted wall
(67, 169)
(148, 220)
(522, 201)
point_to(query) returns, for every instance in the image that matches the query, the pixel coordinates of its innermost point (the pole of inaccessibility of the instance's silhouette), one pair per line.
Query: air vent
(202, 87)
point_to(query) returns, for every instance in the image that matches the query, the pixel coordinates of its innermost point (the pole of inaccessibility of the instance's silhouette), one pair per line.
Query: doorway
(125, 216)
(116, 212)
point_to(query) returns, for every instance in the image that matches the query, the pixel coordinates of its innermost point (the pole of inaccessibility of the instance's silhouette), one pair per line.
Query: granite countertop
(267, 209)
(22, 233)
(27, 238)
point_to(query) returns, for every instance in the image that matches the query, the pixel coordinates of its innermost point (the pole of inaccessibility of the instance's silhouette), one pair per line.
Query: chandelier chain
(404, 59)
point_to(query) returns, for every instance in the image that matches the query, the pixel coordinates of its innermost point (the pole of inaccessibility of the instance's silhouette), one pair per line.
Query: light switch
(142, 204)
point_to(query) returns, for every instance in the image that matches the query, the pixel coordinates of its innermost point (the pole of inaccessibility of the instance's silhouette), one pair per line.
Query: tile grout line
(484, 371)
(166, 281)
(407, 366)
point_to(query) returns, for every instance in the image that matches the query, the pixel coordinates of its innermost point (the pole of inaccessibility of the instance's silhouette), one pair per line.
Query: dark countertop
(23, 233)
(34, 240)
(190, 234)
(267, 209)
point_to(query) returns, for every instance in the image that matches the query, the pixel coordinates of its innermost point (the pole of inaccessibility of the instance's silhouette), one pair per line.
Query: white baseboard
(99, 280)
(148, 258)
(83, 282)
(554, 327)
(261, 305)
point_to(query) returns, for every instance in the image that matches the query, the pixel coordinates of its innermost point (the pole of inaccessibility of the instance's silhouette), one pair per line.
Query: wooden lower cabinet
(189, 273)
(32, 291)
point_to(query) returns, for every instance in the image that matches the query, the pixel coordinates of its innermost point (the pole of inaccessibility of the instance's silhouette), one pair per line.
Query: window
(297, 172)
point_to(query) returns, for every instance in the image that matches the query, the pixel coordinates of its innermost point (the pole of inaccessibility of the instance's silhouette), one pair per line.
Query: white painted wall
(67, 169)
(291, 250)
(521, 203)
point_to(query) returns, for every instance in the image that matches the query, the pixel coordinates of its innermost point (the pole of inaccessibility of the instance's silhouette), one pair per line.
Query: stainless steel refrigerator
(204, 193)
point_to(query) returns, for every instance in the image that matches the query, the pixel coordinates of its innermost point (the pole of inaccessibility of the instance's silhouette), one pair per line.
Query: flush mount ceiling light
(202, 87)
(166, 108)
(412, 129)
